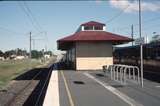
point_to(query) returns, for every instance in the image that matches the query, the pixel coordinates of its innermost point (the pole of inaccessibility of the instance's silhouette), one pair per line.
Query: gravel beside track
(27, 89)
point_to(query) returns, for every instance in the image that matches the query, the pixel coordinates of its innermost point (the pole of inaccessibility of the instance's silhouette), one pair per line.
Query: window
(88, 27)
(98, 28)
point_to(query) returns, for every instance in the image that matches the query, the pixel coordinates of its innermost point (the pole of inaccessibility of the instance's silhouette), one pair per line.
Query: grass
(10, 69)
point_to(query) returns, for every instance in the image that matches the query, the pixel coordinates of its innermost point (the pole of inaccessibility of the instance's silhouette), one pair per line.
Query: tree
(1, 54)
(16, 52)
(20, 52)
(9, 53)
(36, 54)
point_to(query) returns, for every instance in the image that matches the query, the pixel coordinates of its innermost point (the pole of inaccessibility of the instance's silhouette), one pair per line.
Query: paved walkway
(94, 88)
(81, 90)
(149, 95)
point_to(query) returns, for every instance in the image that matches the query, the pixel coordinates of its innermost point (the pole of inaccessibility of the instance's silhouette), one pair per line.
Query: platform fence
(123, 73)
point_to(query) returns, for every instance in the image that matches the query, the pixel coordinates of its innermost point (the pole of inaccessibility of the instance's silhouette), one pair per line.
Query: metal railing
(123, 73)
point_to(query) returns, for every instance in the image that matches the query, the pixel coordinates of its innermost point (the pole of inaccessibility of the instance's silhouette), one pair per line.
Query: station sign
(139, 41)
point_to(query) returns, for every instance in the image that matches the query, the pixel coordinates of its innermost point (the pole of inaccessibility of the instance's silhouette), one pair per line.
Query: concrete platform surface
(81, 88)
(149, 95)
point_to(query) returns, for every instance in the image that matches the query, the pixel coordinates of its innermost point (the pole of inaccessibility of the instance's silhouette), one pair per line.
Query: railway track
(157, 73)
(150, 72)
(32, 93)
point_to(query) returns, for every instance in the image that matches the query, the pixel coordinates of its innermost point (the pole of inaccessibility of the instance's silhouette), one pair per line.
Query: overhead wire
(136, 25)
(33, 20)
(29, 16)
(9, 30)
(37, 23)
(12, 31)
(117, 15)
(33, 17)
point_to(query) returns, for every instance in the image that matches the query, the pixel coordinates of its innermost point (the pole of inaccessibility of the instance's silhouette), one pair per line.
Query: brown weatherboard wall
(93, 55)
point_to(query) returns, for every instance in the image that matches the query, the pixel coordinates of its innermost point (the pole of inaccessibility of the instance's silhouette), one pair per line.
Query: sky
(49, 21)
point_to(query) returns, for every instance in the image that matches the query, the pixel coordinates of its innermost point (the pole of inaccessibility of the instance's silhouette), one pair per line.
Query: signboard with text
(139, 41)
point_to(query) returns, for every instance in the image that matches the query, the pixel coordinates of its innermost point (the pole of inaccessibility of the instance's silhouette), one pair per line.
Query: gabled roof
(92, 36)
(92, 23)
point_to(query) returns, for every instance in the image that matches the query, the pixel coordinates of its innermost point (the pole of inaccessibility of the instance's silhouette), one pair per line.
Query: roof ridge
(92, 23)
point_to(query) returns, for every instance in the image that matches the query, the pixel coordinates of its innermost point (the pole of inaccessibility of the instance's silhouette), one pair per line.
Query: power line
(37, 34)
(34, 20)
(148, 27)
(117, 15)
(45, 36)
(9, 30)
(31, 14)
(28, 15)
(155, 25)
(20, 34)
(136, 25)
(34, 41)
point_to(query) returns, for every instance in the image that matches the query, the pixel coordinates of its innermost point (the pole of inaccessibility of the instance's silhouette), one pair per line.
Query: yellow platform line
(67, 89)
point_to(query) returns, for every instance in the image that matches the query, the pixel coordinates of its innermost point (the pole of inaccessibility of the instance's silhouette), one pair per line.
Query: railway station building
(90, 47)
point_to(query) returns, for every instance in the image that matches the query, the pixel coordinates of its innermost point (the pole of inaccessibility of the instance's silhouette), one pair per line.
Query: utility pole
(46, 48)
(141, 44)
(132, 33)
(46, 41)
(30, 45)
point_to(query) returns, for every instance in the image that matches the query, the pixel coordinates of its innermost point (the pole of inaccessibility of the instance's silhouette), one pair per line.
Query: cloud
(134, 5)
(98, 1)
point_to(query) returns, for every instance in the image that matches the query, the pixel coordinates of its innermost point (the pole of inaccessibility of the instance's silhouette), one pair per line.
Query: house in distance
(90, 47)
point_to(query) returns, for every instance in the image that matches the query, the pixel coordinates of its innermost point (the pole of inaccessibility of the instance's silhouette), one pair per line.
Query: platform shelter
(90, 47)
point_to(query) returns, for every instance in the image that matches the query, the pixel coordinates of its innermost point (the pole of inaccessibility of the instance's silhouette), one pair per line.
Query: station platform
(94, 88)
(149, 95)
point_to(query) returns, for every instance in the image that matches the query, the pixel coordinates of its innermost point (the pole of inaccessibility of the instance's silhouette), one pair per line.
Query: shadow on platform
(64, 66)
(42, 75)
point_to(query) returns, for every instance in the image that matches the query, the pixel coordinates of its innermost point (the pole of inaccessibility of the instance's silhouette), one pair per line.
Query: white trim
(52, 95)
(82, 28)
(92, 30)
(122, 96)
(104, 28)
